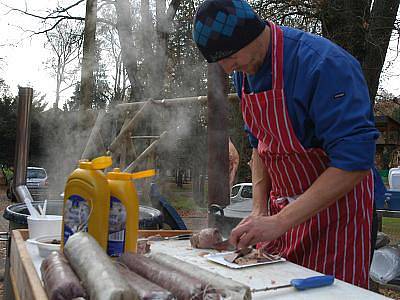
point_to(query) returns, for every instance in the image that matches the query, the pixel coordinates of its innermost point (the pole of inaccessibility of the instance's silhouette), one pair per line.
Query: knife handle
(312, 282)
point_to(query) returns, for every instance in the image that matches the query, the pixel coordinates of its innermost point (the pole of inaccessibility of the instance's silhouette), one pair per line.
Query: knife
(238, 253)
(223, 246)
(302, 284)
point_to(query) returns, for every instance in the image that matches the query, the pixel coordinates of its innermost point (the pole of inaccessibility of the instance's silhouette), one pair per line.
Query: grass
(8, 173)
(391, 226)
(181, 198)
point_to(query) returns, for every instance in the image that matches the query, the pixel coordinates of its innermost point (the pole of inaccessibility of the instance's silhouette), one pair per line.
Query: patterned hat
(223, 27)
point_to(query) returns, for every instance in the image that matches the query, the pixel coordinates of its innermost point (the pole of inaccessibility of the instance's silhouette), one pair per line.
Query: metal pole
(23, 134)
(218, 157)
(20, 163)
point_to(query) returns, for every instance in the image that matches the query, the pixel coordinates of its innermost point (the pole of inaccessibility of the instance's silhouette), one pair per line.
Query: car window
(235, 190)
(247, 192)
(36, 173)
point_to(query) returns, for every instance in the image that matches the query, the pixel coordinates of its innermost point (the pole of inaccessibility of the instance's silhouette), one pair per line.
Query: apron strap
(277, 56)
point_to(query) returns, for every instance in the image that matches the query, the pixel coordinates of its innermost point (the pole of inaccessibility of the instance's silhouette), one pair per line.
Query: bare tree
(382, 22)
(128, 49)
(65, 41)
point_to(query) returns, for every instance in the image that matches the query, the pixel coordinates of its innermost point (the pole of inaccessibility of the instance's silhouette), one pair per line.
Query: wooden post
(218, 157)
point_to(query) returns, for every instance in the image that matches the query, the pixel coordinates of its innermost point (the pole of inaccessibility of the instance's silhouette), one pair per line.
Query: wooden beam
(136, 137)
(176, 101)
(125, 129)
(146, 152)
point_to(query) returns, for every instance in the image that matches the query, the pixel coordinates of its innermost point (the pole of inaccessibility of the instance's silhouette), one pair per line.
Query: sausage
(60, 281)
(98, 273)
(182, 286)
(146, 290)
(217, 284)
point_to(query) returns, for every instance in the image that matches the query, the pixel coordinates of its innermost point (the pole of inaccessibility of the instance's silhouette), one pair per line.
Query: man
(305, 102)
(233, 163)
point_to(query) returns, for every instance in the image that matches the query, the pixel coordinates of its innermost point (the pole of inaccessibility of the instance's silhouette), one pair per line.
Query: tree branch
(54, 26)
(67, 8)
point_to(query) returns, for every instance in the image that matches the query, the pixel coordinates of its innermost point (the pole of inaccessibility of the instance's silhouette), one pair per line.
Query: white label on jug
(76, 216)
(116, 228)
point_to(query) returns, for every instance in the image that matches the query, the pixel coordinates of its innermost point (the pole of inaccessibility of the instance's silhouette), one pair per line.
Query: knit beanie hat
(223, 27)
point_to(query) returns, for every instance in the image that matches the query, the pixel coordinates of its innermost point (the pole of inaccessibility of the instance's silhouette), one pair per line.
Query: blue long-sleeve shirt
(327, 100)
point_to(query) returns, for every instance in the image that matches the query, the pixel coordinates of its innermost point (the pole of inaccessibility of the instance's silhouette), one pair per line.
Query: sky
(24, 57)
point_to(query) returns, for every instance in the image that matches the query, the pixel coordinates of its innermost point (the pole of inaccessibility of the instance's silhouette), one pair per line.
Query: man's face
(245, 60)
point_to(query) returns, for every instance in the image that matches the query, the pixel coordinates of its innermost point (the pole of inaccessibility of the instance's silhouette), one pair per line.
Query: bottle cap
(85, 165)
(98, 163)
(143, 174)
(101, 162)
(116, 174)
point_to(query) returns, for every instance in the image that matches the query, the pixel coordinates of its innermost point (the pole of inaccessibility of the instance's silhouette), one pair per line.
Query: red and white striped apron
(337, 240)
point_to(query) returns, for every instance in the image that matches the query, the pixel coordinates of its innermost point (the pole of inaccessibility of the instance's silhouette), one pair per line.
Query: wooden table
(27, 284)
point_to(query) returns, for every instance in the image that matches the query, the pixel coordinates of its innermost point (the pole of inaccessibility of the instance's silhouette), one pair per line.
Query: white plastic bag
(385, 264)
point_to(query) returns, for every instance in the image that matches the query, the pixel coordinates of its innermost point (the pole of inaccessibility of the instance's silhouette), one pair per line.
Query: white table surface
(261, 276)
(255, 277)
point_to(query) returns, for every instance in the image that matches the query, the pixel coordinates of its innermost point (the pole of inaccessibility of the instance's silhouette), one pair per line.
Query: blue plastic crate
(390, 202)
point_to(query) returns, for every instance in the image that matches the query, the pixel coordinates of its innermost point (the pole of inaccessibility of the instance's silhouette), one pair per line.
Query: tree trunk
(343, 22)
(129, 52)
(383, 16)
(147, 51)
(363, 32)
(196, 183)
(88, 60)
(58, 83)
(159, 67)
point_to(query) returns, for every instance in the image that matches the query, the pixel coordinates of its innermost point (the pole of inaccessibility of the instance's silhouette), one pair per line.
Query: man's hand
(254, 213)
(254, 229)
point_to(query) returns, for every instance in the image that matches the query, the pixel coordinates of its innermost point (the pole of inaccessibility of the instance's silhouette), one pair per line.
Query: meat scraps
(206, 238)
(255, 256)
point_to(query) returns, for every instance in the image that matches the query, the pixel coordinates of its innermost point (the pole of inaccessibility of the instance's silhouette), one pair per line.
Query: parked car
(36, 182)
(226, 218)
(241, 192)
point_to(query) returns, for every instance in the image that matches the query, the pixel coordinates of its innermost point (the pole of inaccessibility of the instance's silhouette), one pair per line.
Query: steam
(62, 142)
(158, 76)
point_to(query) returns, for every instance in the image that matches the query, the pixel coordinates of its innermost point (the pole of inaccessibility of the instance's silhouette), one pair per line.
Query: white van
(241, 192)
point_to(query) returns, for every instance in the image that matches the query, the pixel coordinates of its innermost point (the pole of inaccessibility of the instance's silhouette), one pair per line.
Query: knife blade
(224, 246)
(238, 253)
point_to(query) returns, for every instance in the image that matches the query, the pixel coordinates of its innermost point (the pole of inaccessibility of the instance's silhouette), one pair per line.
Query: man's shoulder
(305, 43)
(311, 49)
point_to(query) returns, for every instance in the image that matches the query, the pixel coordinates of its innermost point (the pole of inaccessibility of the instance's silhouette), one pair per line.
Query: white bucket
(45, 225)
(394, 179)
(385, 264)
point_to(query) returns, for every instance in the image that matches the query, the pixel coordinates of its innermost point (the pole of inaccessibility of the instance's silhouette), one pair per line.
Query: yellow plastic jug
(124, 211)
(87, 201)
